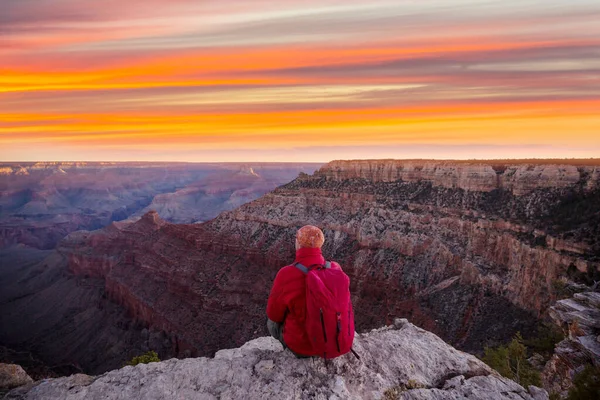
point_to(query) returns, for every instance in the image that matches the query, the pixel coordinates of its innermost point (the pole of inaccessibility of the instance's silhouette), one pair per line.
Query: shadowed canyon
(471, 251)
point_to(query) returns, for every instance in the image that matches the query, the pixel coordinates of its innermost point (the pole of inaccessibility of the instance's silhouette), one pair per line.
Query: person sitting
(302, 322)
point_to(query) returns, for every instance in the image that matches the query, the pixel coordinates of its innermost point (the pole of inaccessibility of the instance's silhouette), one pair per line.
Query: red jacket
(288, 300)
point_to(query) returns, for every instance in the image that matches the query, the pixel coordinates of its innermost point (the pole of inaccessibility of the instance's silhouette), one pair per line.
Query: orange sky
(299, 81)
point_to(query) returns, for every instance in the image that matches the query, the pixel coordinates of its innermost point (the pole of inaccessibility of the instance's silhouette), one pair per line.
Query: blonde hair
(310, 236)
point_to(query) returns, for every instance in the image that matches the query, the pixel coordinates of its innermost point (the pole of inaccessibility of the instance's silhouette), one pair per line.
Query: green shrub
(586, 384)
(511, 362)
(412, 384)
(392, 393)
(146, 358)
(554, 396)
(545, 341)
(560, 289)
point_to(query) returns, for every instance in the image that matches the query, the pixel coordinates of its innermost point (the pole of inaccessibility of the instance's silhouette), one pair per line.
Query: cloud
(248, 75)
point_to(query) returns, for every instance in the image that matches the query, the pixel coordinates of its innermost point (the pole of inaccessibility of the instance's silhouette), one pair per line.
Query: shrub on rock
(145, 358)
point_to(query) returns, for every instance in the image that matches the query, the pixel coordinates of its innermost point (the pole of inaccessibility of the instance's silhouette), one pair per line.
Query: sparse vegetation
(586, 384)
(559, 286)
(412, 384)
(545, 342)
(145, 358)
(554, 396)
(511, 362)
(393, 393)
(589, 277)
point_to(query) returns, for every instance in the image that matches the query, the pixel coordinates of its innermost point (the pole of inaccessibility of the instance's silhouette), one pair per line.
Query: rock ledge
(392, 358)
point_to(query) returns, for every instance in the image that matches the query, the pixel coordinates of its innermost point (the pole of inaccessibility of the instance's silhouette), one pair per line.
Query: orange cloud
(90, 76)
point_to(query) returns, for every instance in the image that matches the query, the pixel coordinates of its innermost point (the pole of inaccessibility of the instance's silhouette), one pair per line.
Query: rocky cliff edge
(515, 176)
(396, 362)
(579, 318)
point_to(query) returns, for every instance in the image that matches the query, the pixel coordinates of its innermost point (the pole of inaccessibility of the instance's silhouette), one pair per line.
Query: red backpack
(329, 316)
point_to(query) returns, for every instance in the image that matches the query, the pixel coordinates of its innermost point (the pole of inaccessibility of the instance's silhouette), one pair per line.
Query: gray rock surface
(12, 375)
(579, 318)
(401, 361)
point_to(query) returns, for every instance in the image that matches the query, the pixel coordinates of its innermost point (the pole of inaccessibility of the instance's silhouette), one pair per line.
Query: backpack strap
(305, 269)
(301, 267)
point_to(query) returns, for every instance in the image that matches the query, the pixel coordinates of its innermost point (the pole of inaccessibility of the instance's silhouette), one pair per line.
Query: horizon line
(308, 162)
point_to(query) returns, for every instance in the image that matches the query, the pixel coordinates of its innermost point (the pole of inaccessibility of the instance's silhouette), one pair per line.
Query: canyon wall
(438, 242)
(102, 297)
(519, 179)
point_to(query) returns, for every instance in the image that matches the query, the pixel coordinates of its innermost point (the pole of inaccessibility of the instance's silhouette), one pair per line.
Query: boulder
(12, 375)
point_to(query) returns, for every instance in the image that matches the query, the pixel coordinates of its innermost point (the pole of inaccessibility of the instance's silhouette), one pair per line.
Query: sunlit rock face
(472, 176)
(471, 264)
(403, 362)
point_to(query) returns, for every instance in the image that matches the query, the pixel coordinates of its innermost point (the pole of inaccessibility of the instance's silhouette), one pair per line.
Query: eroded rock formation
(403, 362)
(103, 296)
(461, 257)
(206, 198)
(519, 179)
(579, 317)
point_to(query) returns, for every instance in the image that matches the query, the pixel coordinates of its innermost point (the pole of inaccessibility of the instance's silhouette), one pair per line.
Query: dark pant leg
(276, 330)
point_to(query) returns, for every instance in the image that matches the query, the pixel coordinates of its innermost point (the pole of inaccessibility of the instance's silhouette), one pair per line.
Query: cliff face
(102, 297)
(402, 362)
(579, 318)
(169, 277)
(476, 176)
(65, 321)
(439, 242)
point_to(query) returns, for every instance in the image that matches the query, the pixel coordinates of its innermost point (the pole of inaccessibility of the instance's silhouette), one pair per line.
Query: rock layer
(470, 263)
(579, 318)
(102, 297)
(477, 176)
(405, 360)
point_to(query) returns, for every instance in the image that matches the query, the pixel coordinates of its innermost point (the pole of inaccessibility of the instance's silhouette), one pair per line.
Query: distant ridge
(595, 161)
(497, 161)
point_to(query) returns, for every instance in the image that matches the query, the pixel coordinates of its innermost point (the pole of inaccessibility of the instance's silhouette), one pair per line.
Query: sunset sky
(266, 80)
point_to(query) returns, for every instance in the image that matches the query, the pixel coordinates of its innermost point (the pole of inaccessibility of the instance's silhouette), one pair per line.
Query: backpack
(329, 315)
